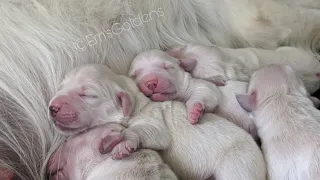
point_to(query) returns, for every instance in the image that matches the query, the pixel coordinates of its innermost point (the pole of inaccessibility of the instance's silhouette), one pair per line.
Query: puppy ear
(125, 103)
(187, 64)
(176, 52)
(247, 102)
(166, 65)
(6, 174)
(218, 80)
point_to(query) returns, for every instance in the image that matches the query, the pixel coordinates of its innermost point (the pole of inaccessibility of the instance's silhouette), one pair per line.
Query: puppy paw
(218, 80)
(124, 149)
(195, 112)
(109, 141)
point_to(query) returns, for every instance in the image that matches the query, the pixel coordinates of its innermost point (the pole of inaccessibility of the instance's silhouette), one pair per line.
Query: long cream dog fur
(41, 40)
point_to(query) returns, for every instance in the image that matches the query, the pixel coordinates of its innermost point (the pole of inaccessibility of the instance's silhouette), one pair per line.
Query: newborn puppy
(218, 64)
(78, 158)
(84, 100)
(287, 122)
(214, 147)
(159, 76)
(230, 109)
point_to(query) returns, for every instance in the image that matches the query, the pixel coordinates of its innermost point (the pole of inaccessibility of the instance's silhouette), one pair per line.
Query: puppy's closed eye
(166, 66)
(84, 95)
(134, 76)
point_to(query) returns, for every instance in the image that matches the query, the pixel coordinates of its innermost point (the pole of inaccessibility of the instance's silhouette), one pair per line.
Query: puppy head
(88, 95)
(155, 72)
(79, 155)
(272, 80)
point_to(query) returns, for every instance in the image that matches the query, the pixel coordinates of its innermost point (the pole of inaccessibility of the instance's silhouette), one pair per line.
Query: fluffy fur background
(37, 47)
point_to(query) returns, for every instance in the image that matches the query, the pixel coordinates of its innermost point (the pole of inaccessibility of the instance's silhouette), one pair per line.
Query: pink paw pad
(109, 142)
(195, 113)
(218, 80)
(123, 149)
(219, 83)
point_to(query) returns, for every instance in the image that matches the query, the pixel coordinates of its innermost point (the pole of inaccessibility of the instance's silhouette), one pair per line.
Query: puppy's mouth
(166, 93)
(56, 175)
(160, 97)
(159, 93)
(167, 90)
(67, 129)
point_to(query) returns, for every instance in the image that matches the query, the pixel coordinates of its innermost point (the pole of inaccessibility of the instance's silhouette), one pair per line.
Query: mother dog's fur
(42, 40)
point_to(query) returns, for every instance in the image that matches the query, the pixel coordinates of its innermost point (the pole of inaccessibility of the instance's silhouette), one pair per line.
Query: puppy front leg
(195, 110)
(143, 132)
(203, 97)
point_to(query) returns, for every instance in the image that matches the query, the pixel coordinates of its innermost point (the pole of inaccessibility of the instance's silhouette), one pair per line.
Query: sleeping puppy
(218, 65)
(82, 157)
(287, 122)
(158, 76)
(92, 94)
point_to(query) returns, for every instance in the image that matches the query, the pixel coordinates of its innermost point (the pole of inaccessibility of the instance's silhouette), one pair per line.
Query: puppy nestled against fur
(287, 122)
(214, 147)
(219, 64)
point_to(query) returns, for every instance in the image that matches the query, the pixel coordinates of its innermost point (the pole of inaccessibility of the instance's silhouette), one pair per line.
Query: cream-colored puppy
(219, 64)
(287, 122)
(78, 158)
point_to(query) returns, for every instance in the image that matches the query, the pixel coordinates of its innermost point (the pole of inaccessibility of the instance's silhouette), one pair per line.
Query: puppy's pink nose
(55, 105)
(53, 110)
(152, 84)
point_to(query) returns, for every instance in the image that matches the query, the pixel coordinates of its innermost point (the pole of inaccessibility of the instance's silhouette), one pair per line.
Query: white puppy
(159, 76)
(78, 158)
(214, 147)
(219, 64)
(287, 122)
